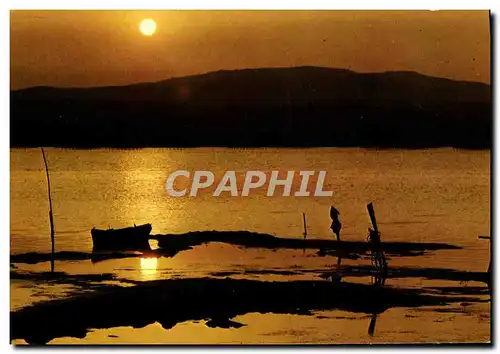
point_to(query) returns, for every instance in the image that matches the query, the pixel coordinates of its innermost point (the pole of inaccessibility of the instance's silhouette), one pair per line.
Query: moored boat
(129, 238)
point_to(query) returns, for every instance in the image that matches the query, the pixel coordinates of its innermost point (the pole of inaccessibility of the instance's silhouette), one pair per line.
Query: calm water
(440, 195)
(424, 195)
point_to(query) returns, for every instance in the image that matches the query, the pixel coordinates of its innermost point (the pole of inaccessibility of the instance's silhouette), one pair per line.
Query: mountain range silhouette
(283, 107)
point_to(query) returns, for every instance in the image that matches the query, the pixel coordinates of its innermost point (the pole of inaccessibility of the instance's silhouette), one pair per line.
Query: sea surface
(436, 195)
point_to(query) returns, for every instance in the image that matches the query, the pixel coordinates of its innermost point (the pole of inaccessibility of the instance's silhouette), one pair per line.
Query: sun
(147, 27)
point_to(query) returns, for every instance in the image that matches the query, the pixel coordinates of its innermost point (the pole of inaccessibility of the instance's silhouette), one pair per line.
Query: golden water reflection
(148, 268)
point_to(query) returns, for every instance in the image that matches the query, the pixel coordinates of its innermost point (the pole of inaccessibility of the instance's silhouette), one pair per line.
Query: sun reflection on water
(148, 268)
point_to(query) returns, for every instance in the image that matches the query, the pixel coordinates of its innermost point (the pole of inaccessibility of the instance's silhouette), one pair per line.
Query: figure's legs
(336, 227)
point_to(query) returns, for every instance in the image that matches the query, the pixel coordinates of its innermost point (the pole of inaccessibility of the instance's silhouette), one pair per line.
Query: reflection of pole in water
(379, 279)
(337, 276)
(373, 322)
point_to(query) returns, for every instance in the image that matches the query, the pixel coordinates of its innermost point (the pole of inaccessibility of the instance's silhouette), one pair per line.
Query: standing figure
(336, 225)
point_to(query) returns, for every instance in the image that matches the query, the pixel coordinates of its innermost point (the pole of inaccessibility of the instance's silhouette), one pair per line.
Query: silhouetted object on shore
(51, 218)
(171, 244)
(336, 226)
(377, 254)
(174, 243)
(129, 238)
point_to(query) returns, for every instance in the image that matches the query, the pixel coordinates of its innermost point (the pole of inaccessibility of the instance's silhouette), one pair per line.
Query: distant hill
(303, 106)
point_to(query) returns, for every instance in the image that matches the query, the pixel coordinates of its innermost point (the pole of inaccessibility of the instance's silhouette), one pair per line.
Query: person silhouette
(336, 226)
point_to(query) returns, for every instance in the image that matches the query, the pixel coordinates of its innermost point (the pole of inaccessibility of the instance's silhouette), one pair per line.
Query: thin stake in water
(378, 256)
(305, 225)
(51, 218)
(304, 233)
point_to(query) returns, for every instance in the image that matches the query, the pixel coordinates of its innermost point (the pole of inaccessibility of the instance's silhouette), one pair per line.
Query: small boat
(129, 238)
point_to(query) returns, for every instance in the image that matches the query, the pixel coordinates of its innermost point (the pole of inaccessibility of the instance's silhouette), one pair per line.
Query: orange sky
(94, 48)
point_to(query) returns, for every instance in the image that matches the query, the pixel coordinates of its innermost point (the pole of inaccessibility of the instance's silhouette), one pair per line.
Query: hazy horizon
(242, 69)
(105, 48)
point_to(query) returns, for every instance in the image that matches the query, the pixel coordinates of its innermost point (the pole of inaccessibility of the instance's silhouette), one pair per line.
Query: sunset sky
(95, 48)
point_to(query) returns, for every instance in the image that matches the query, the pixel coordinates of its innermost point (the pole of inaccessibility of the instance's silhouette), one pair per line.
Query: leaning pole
(51, 218)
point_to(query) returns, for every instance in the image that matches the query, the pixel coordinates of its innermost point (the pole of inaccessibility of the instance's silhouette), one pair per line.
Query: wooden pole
(305, 225)
(51, 218)
(371, 212)
(378, 256)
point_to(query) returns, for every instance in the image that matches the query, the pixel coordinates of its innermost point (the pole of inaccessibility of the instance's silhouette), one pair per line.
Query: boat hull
(129, 238)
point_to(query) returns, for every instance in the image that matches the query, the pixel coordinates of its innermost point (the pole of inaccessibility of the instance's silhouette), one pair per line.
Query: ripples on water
(440, 195)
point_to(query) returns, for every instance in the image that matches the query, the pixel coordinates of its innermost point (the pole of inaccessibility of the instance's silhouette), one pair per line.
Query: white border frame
(213, 4)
